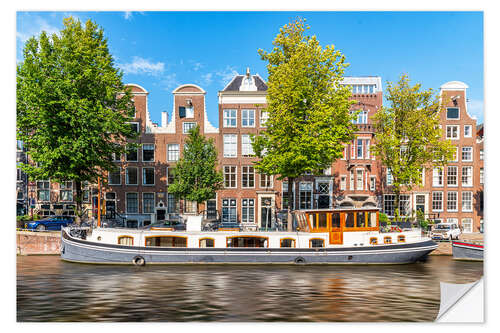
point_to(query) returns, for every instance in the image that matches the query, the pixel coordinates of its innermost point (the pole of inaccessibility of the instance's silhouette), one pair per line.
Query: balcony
(365, 128)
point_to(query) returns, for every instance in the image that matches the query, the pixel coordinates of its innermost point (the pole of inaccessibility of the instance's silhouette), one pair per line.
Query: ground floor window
(247, 241)
(166, 241)
(148, 203)
(247, 210)
(389, 204)
(207, 242)
(132, 203)
(126, 240)
(467, 225)
(190, 207)
(229, 210)
(316, 242)
(305, 195)
(173, 205)
(287, 242)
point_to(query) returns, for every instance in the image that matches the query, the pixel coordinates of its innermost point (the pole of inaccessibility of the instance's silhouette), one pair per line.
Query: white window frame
(452, 137)
(469, 221)
(465, 200)
(245, 116)
(230, 173)
(248, 208)
(266, 179)
(448, 209)
(343, 182)
(481, 154)
(373, 183)
(437, 174)
(173, 151)
(469, 176)
(148, 144)
(230, 145)
(136, 123)
(263, 119)
(481, 176)
(229, 120)
(137, 155)
(247, 174)
(246, 146)
(109, 177)
(455, 155)
(127, 177)
(448, 175)
(470, 131)
(302, 185)
(433, 200)
(388, 177)
(471, 154)
(358, 180)
(126, 202)
(143, 203)
(187, 126)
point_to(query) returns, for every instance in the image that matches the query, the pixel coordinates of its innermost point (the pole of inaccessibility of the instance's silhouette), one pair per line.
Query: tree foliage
(195, 175)
(72, 106)
(309, 120)
(408, 136)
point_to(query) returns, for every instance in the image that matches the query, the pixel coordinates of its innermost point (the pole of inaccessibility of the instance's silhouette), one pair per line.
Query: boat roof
(339, 209)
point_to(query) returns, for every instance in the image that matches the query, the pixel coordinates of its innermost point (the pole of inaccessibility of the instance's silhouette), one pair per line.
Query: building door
(266, 208)
(335, 226)
(110, 205)
(211, 209)
(420, 202)
(160, 214)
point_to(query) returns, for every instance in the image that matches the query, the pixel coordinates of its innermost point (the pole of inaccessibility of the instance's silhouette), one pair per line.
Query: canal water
(49, 289)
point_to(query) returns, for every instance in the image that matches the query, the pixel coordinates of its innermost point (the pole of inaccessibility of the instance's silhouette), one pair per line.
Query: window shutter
(182, 112)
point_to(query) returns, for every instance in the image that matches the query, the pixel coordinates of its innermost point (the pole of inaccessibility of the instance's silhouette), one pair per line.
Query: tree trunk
(78, 213)
(291, 204)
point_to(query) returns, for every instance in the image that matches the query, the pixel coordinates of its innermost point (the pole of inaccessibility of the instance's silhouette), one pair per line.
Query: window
(437, 201)
(343, 181)
(452, 132)
(387, 240)
(207, 242)
(182, 112)
(455, 155)
(131, 154)
(246, 146)
(166, 241)
(170, 176)
(305, 195)
(437, 177)
(173, 152)
(135, 127)
(351, 180)
(373, 182)
(467, 131)
(467, 225)
(466, 154)
(229, 210)
(131, 176)
(186, 127)
(481, 154)
(373, 240)
(247, 177)
(110, 196)
(148, 176)
(190, 111)
(264, 116)
(19, 145)
(247, 210)
(359, 179)
(389, 176)
(452, 176)
(324, 188)
(467, 201)
(229, 118)
(230, 145)
(316, 242)
(401, 238)
(126, 240)
(266, 181)
(132, 203)
(148, 152)
(190, 207)
(114, 177)
(284, 194)
(66, 191)
(389, 204)
(230, 176)
(467, 176)
(287, 242)
(173, 204)
(452, 113)
(362, 117)
(404, 205)
(359, 150)
(451, 203)
(148, 203)
(481, 176)
(247, 118)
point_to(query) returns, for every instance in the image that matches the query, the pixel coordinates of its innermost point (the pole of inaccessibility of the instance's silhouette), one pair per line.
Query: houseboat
(467, 250)
(323, 236)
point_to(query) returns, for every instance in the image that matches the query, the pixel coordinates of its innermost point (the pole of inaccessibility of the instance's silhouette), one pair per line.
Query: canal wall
(30, 243)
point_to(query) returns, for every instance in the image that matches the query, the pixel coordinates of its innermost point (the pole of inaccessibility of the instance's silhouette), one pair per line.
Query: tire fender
(139, 261)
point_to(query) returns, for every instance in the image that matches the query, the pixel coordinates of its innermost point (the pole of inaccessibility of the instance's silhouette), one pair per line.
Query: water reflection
(49, 289)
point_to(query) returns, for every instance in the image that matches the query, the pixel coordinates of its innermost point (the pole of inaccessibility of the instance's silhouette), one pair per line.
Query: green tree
(72, 106)
(408, 136)
(309, 119)
(195, 175)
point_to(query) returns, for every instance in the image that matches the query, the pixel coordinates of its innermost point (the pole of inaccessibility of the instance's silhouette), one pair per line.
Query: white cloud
(143, 66)
(226, 74)
(475, 108)
(34, 27)
(197, 66)
(127, 15)
(169, 81)
(206, 79)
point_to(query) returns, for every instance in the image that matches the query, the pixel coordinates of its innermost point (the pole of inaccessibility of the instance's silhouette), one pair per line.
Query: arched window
(316, 242)
(287, 242)
(207, 242)
(126, 240)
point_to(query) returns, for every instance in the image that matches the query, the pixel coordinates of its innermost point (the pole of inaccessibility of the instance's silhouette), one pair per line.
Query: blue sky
(161, 50)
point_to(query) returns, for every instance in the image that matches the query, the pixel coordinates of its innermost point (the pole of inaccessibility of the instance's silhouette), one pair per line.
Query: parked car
(445, 231)
(49, 223)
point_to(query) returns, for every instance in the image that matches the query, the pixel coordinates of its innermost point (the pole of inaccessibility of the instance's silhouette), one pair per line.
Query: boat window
(246, 241)
(316, 242)
(335, 220)
(287, 242)
(360, 220)
(206, 242)
(401, 239)
(373, 241)
(166, 241)
(349, 220)
(387, 240)
(126, 240)
(373, 220)
(322, 220)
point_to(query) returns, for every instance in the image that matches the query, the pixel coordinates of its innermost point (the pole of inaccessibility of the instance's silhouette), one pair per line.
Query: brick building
(139, 189)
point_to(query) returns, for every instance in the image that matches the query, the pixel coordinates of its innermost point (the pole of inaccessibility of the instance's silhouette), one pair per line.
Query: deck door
(335, 225)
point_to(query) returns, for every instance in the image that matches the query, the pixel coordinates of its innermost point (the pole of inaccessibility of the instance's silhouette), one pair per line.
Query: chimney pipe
(164, 119)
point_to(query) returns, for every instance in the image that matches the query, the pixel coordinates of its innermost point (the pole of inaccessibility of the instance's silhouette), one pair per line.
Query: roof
(235, 83)
(454, 85)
